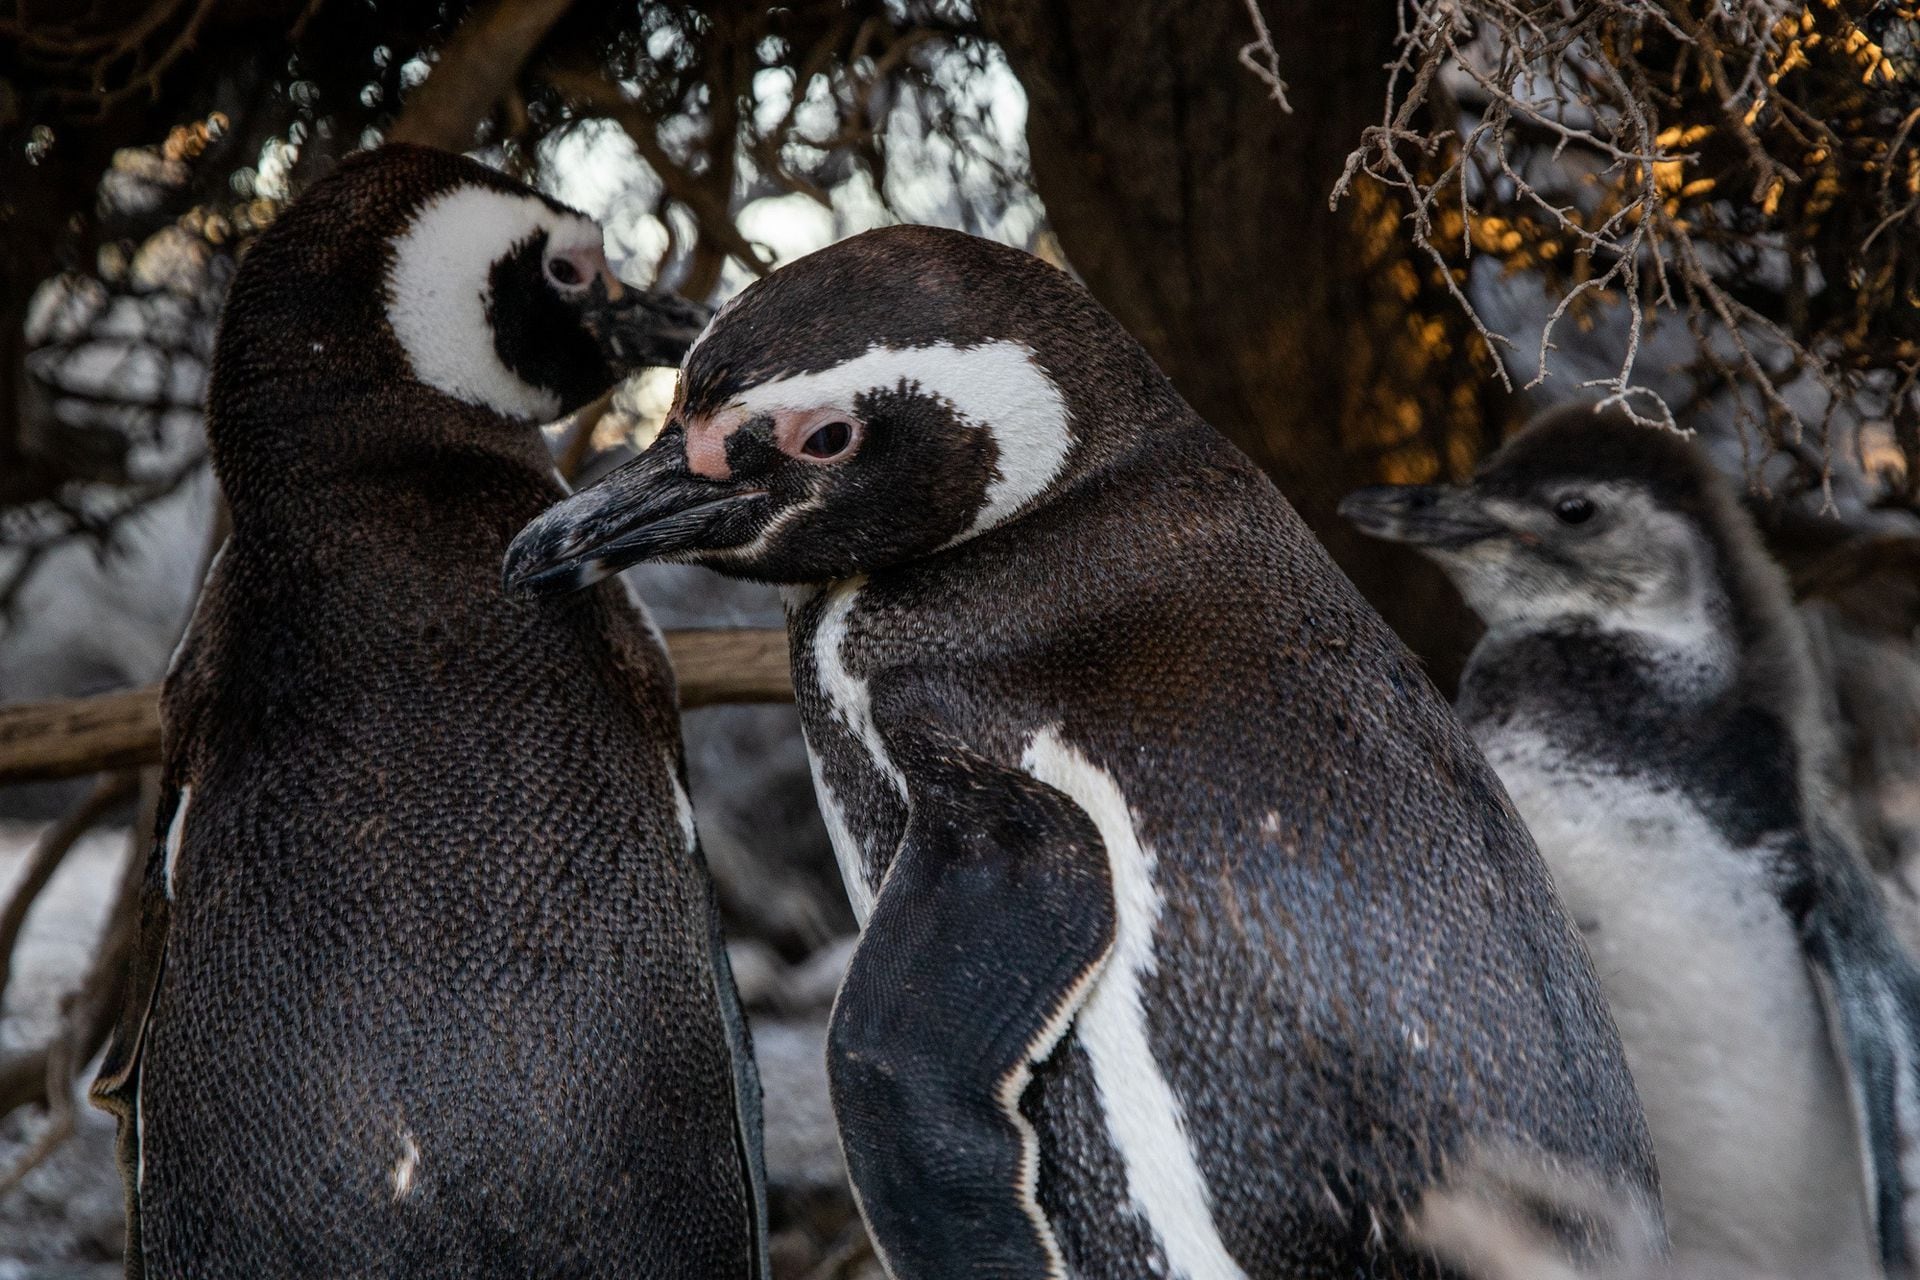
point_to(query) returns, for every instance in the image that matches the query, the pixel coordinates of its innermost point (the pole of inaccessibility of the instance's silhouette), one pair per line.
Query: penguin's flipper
(993, 922)
(1871, 992)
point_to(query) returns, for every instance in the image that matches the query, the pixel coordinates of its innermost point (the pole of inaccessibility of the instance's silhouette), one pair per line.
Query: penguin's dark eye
(1574, 509)
(829, 440)
(563, 273)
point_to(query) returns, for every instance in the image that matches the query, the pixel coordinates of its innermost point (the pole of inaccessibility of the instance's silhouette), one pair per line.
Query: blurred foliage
(1421, 412)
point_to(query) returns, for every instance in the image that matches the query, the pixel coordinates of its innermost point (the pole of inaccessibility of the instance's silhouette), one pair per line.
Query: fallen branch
(46, 1076)
(731, 664)
(46, 859)
(74, 736)
(70, 737)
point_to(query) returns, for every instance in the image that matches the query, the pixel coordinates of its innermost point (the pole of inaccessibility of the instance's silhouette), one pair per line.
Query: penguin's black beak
(1422, 515)
(639, 328)
(653, 508)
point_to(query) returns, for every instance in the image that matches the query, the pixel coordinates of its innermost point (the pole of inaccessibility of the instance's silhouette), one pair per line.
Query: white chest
(1723, 1031)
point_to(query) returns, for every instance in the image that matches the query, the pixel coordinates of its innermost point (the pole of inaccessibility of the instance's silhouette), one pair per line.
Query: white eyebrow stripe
(995, 386)
(440, 284)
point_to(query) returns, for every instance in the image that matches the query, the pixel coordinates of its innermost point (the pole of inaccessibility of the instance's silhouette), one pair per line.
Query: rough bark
(1197, 211)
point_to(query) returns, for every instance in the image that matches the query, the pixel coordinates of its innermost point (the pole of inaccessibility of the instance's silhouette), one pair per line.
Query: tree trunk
(476, 68)
(1197, 211)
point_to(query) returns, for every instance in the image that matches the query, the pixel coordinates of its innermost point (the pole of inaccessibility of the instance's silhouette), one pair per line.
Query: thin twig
(1261, 58)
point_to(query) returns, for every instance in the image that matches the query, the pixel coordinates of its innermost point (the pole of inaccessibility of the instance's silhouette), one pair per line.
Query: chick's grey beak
(1422, 515)
(639, 328)
(653, 508)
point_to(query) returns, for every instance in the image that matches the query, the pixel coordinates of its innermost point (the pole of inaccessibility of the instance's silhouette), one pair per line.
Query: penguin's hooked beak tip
(1436, 516)
(653, 508)
(535, 567)
(640, 328)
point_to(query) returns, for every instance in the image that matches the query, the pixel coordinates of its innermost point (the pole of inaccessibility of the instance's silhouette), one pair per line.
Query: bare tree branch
(1261, 58)
(476, 70)
(1748, 167)
(71, 737)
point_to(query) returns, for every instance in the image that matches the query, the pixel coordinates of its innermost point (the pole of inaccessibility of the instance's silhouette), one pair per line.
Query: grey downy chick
(1645, 692)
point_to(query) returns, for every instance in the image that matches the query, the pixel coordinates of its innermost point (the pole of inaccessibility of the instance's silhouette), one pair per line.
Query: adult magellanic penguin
(1197, 934)
(1645, 691)
(429, 981)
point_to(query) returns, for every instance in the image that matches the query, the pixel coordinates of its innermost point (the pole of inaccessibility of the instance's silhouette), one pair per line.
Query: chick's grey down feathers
(1648, 652)
(429, 980)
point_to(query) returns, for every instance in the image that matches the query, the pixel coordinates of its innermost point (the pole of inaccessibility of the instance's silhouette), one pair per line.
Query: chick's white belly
(1729, 1048)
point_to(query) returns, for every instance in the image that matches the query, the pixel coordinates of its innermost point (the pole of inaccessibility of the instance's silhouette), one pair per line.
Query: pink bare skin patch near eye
(707, 437)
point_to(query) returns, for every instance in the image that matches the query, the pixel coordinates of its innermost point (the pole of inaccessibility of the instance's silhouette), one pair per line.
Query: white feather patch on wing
(996, 387)
(406, 1170)
(846, 849)
(1144, 1119)
(1008, 1095)
(438, 291)
(176, 835)
(682, 806)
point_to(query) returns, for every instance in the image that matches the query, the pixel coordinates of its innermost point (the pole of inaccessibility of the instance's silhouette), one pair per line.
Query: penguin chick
(1645, 691)
(429, 980)
(1196, 933)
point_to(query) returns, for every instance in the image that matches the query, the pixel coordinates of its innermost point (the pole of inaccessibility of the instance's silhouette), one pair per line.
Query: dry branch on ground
(70, 737)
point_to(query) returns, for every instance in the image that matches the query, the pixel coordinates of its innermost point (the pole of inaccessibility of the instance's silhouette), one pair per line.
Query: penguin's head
(880, 400)
(1584, 518)
(409, 282)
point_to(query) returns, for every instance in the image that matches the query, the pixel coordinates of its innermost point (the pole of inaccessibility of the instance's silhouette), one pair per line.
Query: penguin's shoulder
(637, 653)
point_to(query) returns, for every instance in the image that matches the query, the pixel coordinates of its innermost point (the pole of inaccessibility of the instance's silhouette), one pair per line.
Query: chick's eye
(563, 273)
(1574, 509)
(828, 440)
